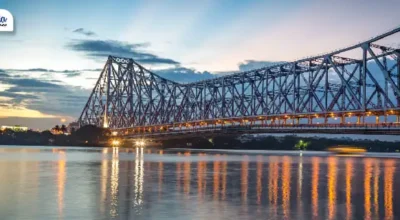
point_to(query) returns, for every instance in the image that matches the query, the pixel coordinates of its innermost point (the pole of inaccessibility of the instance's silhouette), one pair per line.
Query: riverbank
(288, 142)
(85, 136)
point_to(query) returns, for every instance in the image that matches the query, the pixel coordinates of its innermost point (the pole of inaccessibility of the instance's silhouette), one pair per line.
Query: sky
(50, 63)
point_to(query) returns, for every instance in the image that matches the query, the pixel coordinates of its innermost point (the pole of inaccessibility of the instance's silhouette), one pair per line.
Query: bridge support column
(397, 118)
(358, 119)
(377, 119)
(342, 119)
(297, 121)
(309, 120)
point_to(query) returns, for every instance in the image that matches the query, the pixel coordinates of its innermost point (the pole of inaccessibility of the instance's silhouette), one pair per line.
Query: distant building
(16, 128)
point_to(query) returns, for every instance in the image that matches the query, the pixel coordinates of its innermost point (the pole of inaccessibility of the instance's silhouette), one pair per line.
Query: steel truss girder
(128, 95)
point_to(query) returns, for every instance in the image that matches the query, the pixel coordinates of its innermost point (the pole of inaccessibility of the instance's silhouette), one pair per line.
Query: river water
(116, 183)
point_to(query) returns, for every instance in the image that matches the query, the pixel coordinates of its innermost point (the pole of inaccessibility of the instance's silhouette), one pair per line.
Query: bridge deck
(377, 129)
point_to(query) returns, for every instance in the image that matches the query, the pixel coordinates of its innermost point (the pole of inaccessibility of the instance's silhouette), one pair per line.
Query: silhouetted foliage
(279, 143)
(63, 129)
(91, 134)
(87, 135)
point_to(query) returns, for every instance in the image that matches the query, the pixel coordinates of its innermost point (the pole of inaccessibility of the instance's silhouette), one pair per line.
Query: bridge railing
(259, 128)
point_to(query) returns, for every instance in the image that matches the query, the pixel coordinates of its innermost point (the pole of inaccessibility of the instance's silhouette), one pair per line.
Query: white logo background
(6, 21)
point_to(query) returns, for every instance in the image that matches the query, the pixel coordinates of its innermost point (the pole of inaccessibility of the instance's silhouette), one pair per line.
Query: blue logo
(3, 21)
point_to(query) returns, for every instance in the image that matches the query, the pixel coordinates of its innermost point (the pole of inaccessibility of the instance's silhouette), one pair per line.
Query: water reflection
(349, 176)
(367, 188)
(300, 186)
(388, 194)
(104, 180)
(273, 185)
(216, 175)
(244, 179)
(314, 186)
(224, 176)
(376, 188)
(286, 175)
(114, 182)
(186, 174)
(126, 184)
(139, 175)
(201, 177)
(61, 177)
(259, 178)
(332, 166)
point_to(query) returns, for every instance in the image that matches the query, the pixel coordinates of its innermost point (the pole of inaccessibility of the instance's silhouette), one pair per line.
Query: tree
(56, 128)
(301, 145)
(91, 134)
(47, 134)
(63, 129)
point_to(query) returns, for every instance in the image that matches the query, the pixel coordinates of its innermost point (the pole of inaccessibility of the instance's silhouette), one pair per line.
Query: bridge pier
(377, 119)
(358, 119)
(342, 119)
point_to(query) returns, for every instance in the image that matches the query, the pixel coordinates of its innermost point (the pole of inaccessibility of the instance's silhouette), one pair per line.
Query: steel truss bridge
(352, 89)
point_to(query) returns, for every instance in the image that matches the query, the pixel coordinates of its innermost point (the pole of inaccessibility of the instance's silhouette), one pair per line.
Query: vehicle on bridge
(347, 150)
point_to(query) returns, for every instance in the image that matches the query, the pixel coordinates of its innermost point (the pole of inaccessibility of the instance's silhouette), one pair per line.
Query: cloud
(84, 32)
(184, 75)
(3, 74)
(48, 72)
(71, 73)
(49, 97)
(254, 64)
(37, 70)
(104, 48)
(22, 83)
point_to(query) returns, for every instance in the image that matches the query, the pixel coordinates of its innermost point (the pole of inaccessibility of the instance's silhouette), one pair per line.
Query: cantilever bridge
(355, 89)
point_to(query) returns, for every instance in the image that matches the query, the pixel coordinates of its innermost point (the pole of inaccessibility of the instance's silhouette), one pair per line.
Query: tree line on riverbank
(88, 135)
(289, 142)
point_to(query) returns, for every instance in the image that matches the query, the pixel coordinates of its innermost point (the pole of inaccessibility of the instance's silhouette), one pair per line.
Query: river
(117, 183)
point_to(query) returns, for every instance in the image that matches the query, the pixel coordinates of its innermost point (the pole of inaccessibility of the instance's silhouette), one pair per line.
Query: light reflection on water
(117, 183)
